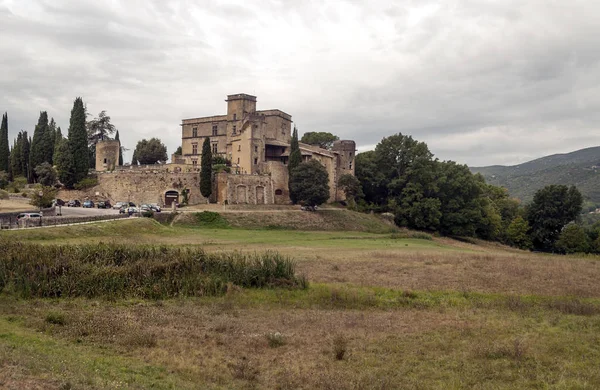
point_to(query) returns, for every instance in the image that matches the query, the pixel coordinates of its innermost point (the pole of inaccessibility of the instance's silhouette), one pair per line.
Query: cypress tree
(120, 150)
(4, 145)
(295, 160)
(206, 169)
(65, 164)
(57, 140)
(42, 145)
(78, 141)
(15, 157)
(26, 150)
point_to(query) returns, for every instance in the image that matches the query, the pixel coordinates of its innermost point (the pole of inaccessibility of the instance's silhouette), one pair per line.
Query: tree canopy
(552, 208)
(78, 141)
(149, 152)
(294, 161)
(309, 183)
(206, 169)
(4, 145)
(318, 138)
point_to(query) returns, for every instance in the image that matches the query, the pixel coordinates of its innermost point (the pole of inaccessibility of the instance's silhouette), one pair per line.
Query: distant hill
(580, 168)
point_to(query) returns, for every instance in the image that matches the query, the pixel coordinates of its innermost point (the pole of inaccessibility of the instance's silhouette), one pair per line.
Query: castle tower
(238, 106)
(107, 155)
(346, 152)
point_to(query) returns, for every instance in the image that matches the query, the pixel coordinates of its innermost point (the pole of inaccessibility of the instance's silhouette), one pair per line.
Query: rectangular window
(194, 148)
(215, 148)
(214, 130)
(239, 148)
(255, 161)
(194, 162)
(234, 128)
(194, 132)
(235, 117)
(255, 149)
(238, 161)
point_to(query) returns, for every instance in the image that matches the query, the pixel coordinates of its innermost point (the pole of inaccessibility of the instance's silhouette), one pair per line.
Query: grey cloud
(481, 82)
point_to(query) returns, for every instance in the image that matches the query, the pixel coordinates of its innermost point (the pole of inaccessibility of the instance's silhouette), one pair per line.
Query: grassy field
(385, 310)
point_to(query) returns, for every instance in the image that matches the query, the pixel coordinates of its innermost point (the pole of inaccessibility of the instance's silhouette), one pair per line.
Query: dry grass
(12, 205)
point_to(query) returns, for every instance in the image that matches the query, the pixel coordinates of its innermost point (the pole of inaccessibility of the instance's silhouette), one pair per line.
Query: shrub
(86, 183)
(3, 195)
(211, 219)
(117, 271)
(56, 318)
(275, 339)
(340, 346)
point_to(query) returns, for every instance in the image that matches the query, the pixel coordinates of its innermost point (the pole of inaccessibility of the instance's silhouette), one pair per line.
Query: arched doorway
(170, 197)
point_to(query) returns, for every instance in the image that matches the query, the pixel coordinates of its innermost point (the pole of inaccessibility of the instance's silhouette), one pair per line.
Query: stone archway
(170, 197)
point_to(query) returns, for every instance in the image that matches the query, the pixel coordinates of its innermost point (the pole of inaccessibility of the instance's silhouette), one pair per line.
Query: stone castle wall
(140, 186)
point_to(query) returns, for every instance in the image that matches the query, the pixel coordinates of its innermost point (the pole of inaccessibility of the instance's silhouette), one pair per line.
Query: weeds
(243, 369)
(55, 318)
(340, 347)
(117, 271)
(275, 339)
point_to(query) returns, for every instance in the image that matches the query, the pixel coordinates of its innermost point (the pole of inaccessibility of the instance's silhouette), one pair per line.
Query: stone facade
(142, 185)
(107, 155)
(258, 143)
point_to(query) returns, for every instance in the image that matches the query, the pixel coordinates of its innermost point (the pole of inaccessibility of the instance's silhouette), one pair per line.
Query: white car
(118, 205)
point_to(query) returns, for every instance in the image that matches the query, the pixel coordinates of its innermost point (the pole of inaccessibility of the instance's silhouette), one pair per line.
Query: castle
(257, 143)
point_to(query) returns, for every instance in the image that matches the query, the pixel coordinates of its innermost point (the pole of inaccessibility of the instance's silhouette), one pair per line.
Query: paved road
(83, 212)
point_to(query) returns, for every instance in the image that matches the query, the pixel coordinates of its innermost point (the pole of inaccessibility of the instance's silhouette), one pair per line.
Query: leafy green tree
(206, 169)
(294, 162)
(4, 145)
(371, 178)
(46, 174)
(42, 145)
(309, 183)
(121, 150)
(3, 179)
(100, 128)
(517, 233)
(178, 151)
(65, 164)
(150, 151)
(552, 208)
(573, 239)
(351, 187)
(46, 197)
(78, 141)
(321, 139)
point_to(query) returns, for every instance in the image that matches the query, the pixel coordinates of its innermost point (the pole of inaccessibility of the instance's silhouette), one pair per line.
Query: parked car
(88, 204)
(155, 207)
(74, 203)
(28, 216)
(118, 205)
(145, 207)
(131, 204)
(103, 204)
(58, 202)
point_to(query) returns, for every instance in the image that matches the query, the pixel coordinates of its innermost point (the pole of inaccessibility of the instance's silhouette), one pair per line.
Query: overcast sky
(482, 82)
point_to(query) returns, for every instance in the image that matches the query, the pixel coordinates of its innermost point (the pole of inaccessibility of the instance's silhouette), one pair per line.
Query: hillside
(580, 168)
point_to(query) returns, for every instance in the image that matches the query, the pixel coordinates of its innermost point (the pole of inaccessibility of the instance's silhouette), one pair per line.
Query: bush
(56, 318)
(340, 346)
(86, 183)
(275, 339)
(113, 271)
(211, 219)
(4, 195)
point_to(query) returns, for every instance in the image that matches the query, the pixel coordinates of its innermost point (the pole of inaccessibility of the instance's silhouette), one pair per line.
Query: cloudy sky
(481, 81)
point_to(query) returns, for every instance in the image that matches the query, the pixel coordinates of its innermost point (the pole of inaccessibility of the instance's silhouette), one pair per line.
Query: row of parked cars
(123, 207)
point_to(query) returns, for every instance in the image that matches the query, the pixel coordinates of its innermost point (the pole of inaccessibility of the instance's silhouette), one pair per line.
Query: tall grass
(113, 271)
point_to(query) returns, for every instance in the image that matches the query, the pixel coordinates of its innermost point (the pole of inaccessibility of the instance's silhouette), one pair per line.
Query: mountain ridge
(580, 168)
